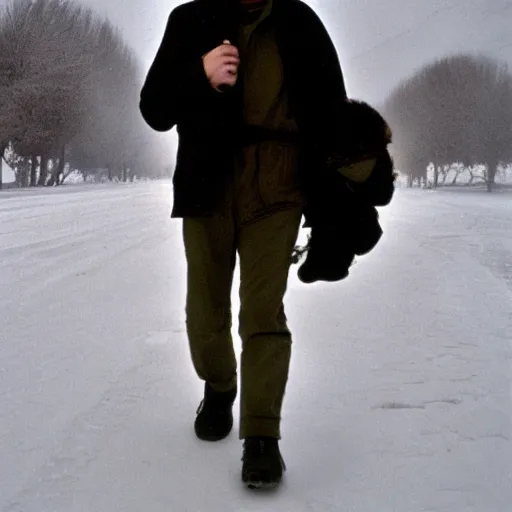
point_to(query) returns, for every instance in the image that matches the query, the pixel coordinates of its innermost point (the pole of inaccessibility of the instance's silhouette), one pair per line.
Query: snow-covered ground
(399, 398)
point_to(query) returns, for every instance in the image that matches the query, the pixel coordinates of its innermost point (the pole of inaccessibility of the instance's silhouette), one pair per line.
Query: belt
(250, 134)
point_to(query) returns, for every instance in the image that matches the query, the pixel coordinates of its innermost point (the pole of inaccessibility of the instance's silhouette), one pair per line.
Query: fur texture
(346, 222)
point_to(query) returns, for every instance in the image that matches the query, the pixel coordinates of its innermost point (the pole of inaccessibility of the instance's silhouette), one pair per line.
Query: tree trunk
(491, 175)
(58, 169)
(2, 151)
(43, 171)
(62, 164)
(409, 181)
(446, 170)
(22, 174)
(33, 171)
(25, 175)
(436, 176)
(65, 175)
(51, 181)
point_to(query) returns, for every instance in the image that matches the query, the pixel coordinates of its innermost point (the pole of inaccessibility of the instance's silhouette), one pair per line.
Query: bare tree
(45, 71)
(492, 136)
(456, 110)
(114, 136)
(69, 90)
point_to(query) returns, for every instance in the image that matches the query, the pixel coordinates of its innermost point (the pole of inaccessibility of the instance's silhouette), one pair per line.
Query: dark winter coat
(210, 127)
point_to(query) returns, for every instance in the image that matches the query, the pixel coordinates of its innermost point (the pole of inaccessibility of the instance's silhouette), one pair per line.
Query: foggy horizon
(379, 44)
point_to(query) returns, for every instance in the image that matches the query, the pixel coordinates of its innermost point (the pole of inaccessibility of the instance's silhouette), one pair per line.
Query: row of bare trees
(69, 90)
(454, 114)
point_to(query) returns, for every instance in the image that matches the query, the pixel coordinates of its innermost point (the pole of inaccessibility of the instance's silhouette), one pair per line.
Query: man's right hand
(221, 65)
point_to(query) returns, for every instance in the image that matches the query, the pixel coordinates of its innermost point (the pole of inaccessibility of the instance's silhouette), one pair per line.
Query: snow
(399, 398)
(7, 174)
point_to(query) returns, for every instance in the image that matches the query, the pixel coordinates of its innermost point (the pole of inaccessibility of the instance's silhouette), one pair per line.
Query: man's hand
(221, 65)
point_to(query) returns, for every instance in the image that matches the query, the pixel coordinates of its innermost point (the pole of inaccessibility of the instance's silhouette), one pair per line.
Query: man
(251, 86)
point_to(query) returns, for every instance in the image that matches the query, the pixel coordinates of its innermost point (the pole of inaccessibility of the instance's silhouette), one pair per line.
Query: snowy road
(399, 398)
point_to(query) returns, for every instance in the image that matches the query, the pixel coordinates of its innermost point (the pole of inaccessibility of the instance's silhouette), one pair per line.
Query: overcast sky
(379, 41)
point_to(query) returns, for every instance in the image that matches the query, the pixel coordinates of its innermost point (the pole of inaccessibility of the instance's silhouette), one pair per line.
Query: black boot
(263, 464)
(214, 419)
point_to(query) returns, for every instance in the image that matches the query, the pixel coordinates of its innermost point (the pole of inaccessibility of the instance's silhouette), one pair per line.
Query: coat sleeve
(176, 82)
(322, 78)
(324, 86)
(324, 56)
(331, 75)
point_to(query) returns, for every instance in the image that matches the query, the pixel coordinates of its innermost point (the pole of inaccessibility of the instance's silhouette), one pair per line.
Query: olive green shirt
(265, 174)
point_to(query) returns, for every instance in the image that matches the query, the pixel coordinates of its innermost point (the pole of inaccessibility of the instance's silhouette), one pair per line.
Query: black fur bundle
(359, 176)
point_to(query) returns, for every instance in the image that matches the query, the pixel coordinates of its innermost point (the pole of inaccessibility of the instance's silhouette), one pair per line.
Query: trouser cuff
(223, 387)
(259, 427)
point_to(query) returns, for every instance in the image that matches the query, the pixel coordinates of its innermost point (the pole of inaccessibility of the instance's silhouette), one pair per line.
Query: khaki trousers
(264, 247)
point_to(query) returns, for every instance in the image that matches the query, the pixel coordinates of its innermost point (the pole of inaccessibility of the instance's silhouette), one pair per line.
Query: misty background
(379, 42)
(381, 45)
